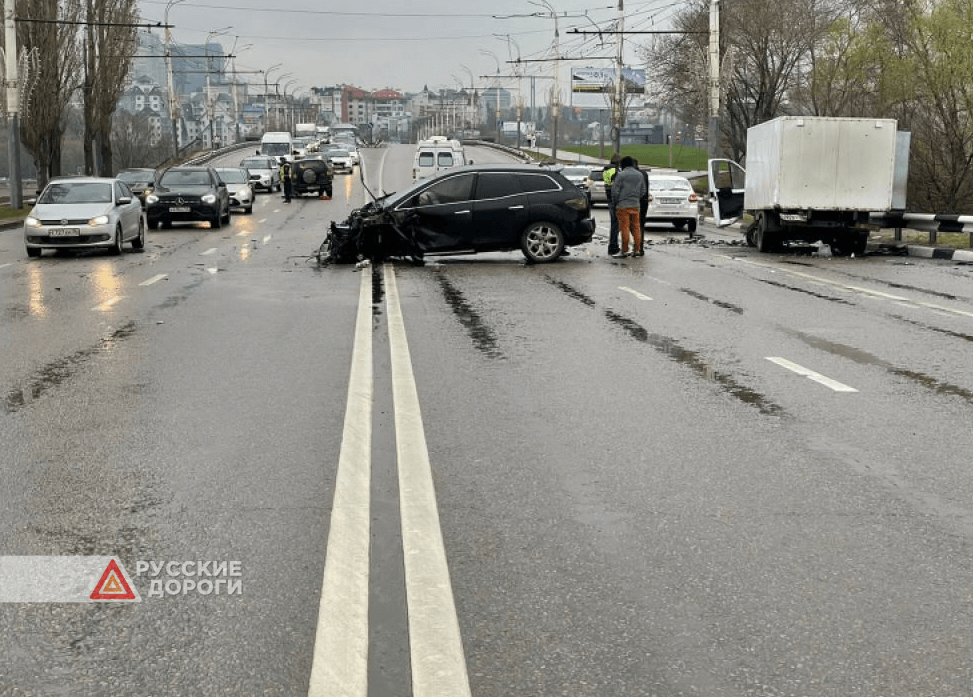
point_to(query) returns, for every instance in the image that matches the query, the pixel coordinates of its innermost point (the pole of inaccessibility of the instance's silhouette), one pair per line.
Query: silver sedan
(85, 213)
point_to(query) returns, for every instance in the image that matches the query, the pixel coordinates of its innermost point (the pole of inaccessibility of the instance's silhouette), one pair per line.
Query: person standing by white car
(628, 188)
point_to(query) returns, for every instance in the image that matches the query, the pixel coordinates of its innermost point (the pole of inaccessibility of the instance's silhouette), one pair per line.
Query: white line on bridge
(436, 646)
(634, 292)
(3, 266)
(211, 250)
(810, 374)
(267, 238)
(340, 660)
(154, 279)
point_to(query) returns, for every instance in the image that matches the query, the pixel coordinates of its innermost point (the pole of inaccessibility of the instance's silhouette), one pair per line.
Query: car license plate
(670, 201)
(179, 209)
(64, 232)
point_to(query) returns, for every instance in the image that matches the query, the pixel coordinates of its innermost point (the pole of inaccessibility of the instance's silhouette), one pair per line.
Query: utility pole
(173, 107)
(556, 95)
(12, 86)
(714, 79)
(618, 113)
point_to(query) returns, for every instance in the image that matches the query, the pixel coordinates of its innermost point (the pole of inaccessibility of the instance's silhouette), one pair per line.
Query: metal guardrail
(519, 154)
(933, 223)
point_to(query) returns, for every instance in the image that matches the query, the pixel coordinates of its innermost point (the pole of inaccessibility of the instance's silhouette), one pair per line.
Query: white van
(436, 154)
(277, 144)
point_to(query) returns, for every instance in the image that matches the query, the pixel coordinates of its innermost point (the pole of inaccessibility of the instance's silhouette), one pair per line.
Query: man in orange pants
(627, 192)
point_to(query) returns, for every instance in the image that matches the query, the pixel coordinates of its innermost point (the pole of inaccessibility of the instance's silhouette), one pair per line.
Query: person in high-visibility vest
(285, 178)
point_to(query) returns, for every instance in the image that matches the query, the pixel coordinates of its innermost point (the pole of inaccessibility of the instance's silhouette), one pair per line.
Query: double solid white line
(340, 661)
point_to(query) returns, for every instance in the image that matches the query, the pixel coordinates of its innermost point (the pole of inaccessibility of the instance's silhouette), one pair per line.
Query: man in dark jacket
(643, 205)
(609, 176)
(627, 192)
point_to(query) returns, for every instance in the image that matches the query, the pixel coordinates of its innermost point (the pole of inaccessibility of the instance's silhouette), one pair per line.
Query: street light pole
(714, 79)
(618, 113)
(556, 92)
(210, 110)
(266, 93)
(13, 104)
(173, 113)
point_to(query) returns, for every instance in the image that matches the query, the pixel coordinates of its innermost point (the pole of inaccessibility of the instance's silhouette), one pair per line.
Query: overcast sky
(407, 44)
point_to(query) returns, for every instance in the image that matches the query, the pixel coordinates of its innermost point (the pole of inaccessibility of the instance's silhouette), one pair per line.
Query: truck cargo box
(821, 163)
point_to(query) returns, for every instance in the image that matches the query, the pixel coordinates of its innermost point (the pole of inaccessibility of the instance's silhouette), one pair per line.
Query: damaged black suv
(464, 210)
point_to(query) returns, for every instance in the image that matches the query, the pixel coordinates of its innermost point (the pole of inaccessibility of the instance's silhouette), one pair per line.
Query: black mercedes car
(476, 208)
(188, 194)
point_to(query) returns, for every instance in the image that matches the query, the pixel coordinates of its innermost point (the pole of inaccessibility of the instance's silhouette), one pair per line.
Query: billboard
(592, 87)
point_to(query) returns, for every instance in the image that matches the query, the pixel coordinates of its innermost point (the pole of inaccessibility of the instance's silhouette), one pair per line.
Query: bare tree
(135, 143)
(110, 43)
(766, 49)
(47, 30)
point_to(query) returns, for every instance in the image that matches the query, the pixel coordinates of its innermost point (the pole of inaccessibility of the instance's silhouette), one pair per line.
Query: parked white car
(672, 200)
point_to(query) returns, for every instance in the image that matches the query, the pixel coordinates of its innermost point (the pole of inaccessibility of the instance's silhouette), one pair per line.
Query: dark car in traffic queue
(141, 180)
(469, 209)
(188, 194)
(311, 175)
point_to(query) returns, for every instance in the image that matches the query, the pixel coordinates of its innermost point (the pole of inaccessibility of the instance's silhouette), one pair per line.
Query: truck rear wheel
(762, 237)
(859, 242)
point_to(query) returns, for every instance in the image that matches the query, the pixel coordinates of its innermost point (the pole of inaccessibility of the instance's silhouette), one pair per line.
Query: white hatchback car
(84, 213)
(672, 200)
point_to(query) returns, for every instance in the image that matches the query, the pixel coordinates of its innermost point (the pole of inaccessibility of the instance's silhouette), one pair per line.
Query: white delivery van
(436, 154)
(277, 144)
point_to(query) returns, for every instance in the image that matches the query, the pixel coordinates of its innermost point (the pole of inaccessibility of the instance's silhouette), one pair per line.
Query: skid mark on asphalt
(865, 358)
(671, 349)
(483, 337)
(55, 373)
(692, 359)
(712, 301)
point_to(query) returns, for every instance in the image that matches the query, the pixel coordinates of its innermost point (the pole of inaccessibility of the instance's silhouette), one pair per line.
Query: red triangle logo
(112, 585)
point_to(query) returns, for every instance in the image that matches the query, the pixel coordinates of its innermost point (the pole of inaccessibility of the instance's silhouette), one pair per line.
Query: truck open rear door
(726, 184)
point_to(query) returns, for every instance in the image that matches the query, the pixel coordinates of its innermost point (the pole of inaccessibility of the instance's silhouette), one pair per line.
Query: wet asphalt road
(704, 472)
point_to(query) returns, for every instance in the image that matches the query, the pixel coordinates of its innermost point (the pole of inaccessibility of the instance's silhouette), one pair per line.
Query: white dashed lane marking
(634, 292)
(811, 375)
(154, 279)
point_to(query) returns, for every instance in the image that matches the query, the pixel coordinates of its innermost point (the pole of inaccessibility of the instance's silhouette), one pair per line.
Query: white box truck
(813, 178)
(277, 144)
